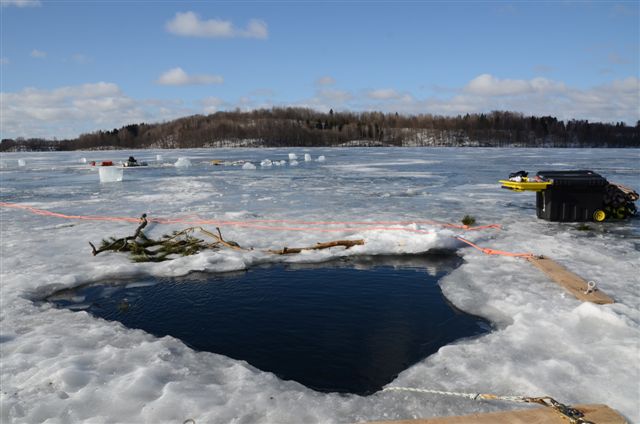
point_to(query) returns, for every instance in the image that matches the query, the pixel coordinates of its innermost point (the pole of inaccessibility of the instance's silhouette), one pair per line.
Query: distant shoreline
(299, 127)
(242, 145)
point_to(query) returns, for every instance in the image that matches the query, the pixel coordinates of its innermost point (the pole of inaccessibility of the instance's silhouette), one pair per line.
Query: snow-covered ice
(61, 366)
(248, 166)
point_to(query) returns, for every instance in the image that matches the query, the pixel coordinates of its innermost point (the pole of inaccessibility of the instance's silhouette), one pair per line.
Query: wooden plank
(600, 414)
(571, 282)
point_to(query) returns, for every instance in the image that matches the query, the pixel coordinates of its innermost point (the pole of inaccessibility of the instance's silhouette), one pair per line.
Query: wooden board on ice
(571, 282)
(600, 414)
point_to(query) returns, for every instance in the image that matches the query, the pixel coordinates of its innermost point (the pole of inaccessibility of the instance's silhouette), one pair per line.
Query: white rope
(434, 392)
(472, 396)
(573, 415)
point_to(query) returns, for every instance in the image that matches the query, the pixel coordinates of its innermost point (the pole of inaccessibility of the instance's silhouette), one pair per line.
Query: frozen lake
(63, 366)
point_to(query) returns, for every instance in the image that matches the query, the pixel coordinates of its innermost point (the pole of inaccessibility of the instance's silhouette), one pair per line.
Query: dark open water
(348, 326)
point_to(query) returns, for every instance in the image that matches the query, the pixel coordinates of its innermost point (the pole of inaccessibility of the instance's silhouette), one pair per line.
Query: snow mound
(182, 162)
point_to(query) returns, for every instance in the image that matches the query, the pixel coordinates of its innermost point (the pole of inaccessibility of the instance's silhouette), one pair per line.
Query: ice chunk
(321, 158)
(158, 158)
(248, 165)
(293, 163)
(183, 162)
(111, 174)
(293, 156)
(21, 162)
(83, 160)
(266, 162)
(307, 157)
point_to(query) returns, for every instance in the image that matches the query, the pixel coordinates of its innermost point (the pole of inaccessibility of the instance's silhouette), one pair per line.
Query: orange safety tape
(495, 252)
(258, 223)
(255, 224)
(59, 215)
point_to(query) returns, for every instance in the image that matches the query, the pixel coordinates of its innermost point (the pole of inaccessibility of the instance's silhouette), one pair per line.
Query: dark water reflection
(344, 326)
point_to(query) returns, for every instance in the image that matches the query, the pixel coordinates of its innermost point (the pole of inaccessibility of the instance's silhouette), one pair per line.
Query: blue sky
(74, 67)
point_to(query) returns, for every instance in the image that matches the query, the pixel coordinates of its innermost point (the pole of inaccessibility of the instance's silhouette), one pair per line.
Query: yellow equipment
(525, 185)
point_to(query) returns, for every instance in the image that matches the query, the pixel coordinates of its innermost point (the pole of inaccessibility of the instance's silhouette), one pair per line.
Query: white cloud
(177, 76)
(189, 24)
(212, 104)
(488, 85)
(256, 28)
(618, 100)
(384, 94)
(325, 80)
(20, 3)
(38, 54)
(72, 110)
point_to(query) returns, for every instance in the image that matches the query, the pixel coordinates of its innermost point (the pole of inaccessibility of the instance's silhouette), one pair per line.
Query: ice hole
(345, 326)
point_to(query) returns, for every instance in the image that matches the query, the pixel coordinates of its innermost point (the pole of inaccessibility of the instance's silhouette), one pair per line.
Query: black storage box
(573, 196)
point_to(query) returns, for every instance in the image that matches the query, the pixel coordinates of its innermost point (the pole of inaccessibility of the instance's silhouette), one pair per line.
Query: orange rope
(495, 252)
(258, 223)
(59, 215)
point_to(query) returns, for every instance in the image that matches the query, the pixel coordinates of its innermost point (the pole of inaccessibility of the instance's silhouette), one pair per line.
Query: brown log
(627, 191)
(346, 243)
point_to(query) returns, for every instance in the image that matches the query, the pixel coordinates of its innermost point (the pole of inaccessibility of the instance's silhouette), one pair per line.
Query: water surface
(348, 326)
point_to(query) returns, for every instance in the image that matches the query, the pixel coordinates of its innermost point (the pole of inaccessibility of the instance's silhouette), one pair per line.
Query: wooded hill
(288, 127)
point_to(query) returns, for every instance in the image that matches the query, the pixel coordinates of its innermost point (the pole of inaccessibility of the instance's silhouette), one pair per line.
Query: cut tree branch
(346, 243)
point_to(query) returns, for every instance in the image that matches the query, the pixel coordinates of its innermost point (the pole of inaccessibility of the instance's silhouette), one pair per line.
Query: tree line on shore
(301, 127)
